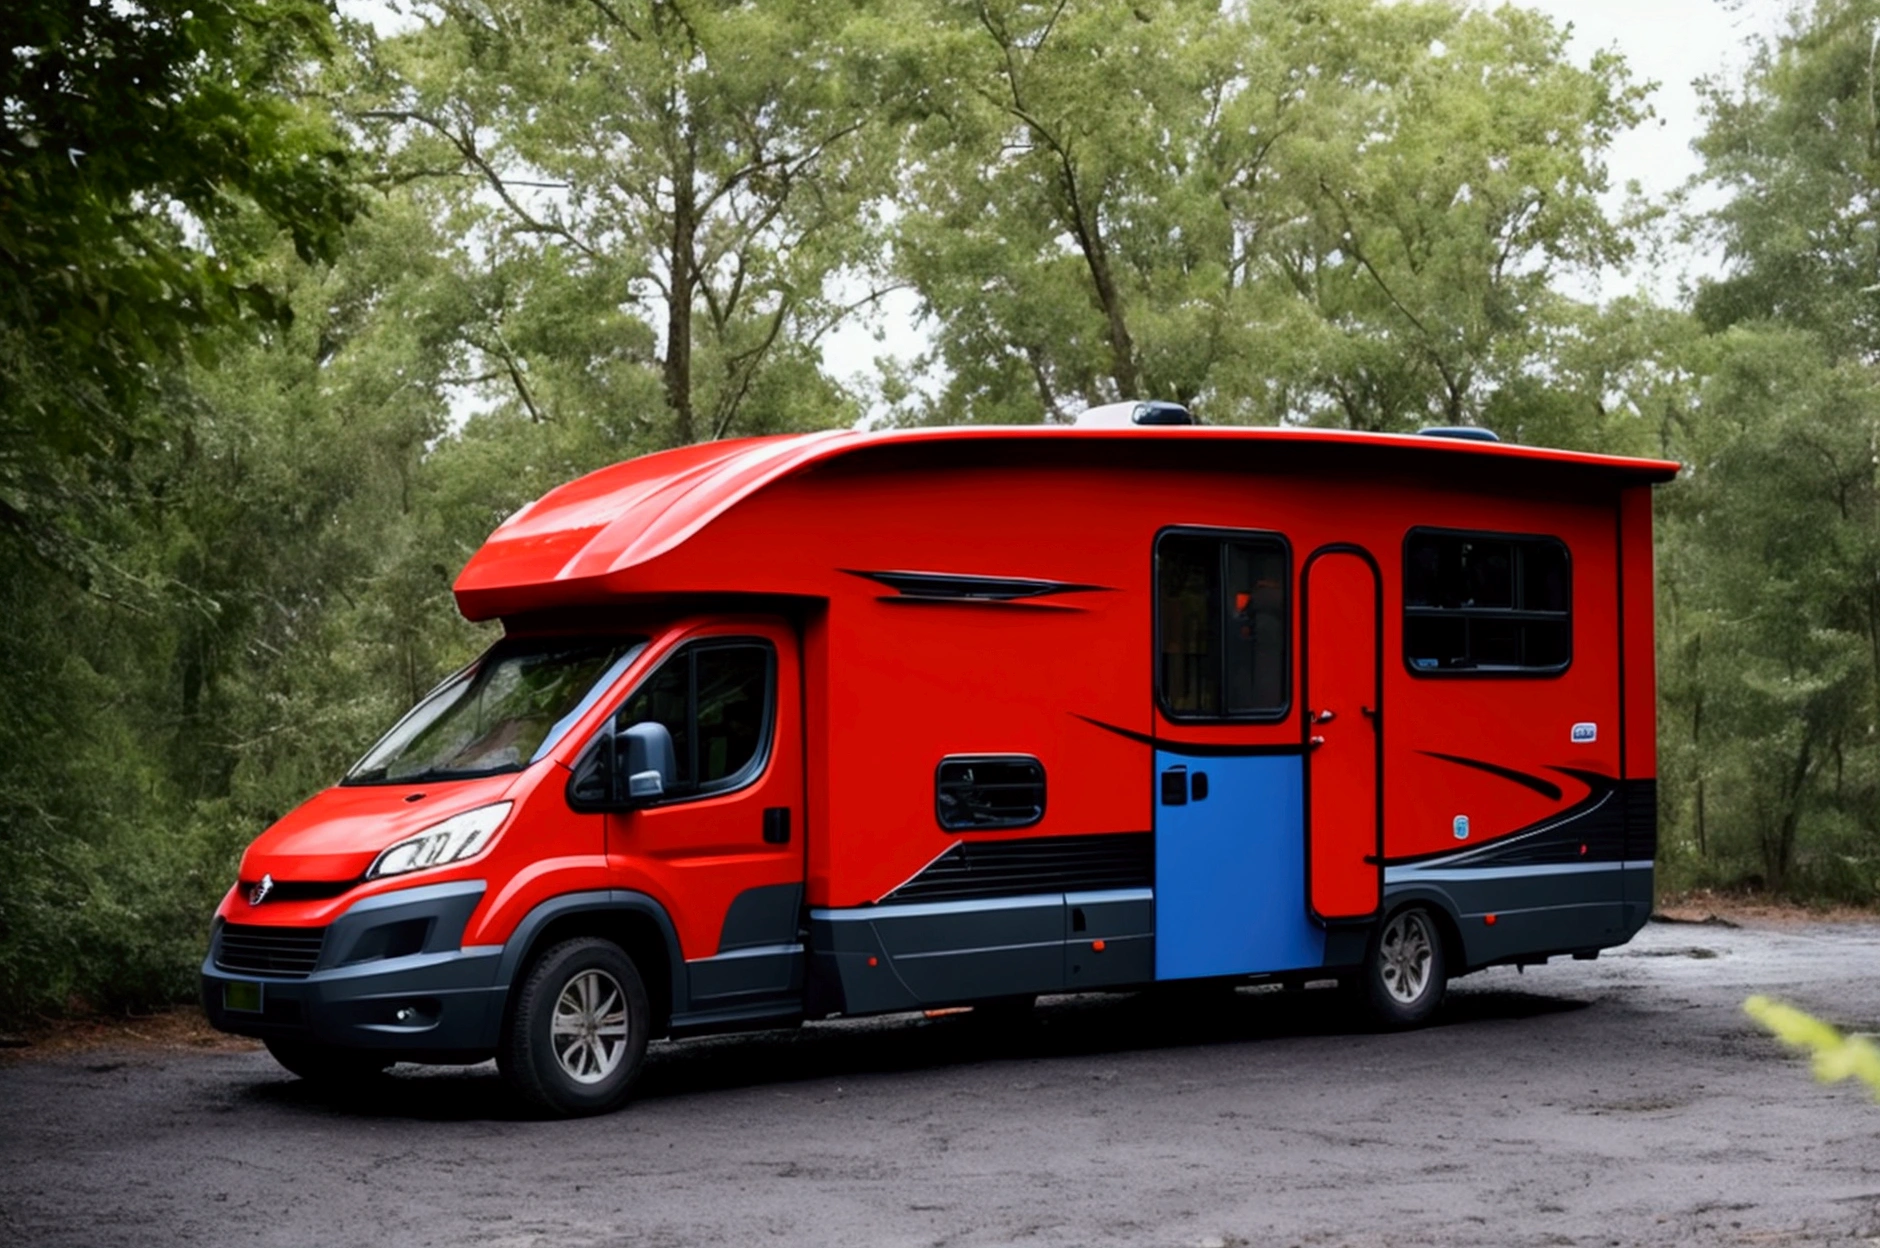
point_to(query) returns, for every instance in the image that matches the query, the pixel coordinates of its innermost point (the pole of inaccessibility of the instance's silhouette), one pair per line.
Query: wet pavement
(1619, 1102)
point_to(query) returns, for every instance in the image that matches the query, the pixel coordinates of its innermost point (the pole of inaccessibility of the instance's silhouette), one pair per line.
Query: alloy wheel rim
(589, 1030)
(1405, 954)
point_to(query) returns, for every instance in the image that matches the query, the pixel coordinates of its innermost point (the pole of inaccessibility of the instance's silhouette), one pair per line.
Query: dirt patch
(1739, 909)
(183, 1028)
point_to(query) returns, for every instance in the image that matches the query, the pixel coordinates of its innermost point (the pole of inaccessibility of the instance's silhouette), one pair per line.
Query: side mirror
(624, 769)
(647, 763)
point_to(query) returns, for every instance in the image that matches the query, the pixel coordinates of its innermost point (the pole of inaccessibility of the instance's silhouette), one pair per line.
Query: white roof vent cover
(1133, 415)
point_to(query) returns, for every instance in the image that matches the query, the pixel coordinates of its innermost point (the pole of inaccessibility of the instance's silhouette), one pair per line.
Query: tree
(1348, 211)
(1770, 552)
(131, 137)
(647, 185)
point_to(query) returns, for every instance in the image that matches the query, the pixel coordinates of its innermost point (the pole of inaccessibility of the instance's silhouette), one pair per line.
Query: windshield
(501, 713)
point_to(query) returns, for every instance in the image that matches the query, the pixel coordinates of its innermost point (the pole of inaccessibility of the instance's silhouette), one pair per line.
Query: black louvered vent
(1641, 820)
(1038, 864)
(980, 793)
(286, 951)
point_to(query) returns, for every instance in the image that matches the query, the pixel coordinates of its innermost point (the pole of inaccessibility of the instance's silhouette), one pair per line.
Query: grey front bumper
(437, 1001)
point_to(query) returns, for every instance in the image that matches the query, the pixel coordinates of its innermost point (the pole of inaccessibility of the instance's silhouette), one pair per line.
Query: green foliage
(1836, 1057)
(1346, 212)
(1770, 549)
(130, 134)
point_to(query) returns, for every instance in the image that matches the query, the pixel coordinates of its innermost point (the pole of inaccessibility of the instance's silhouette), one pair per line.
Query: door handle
(1325, 717)
(777, 825)
(1175, 786)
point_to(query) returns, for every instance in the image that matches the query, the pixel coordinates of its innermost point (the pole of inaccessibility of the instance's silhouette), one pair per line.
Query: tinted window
(1005, 791)
(1476, 602)
(1221, 625)
(715, 701)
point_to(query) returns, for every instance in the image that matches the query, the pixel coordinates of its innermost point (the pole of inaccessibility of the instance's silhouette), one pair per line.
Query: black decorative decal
(1546, 788)
(952, 587)
(1196, 749)
(1593, 829)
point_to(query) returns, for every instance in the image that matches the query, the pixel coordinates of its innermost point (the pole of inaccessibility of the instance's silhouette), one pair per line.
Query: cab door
(722, 848)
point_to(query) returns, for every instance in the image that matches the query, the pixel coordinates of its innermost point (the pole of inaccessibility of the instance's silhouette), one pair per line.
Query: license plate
(242, 995)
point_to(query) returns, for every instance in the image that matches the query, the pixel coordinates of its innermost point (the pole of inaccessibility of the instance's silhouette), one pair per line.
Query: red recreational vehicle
(848, 723)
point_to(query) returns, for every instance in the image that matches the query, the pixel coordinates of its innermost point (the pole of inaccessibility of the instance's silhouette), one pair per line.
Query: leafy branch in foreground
(1837, 1057)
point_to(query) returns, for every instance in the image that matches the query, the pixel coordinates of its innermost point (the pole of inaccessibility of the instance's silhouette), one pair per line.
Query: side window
(1486, 602)
(974, 793)
(1222, 618)
(715, 699)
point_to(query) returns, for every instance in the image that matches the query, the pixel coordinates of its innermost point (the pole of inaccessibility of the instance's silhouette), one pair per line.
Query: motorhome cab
(849, 723)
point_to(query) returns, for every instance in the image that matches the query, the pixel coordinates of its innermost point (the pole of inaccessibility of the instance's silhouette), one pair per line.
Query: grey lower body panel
(1518, 913)
(877, 959)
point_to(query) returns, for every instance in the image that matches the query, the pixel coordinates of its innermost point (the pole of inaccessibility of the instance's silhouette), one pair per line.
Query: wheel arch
(1448, 922)
(635, 922)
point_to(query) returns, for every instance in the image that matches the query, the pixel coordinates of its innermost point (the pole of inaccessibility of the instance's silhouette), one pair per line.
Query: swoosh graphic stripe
(1546, 788)
(1196, 749)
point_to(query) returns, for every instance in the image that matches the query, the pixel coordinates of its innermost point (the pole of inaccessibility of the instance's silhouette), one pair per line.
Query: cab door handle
(777, 825)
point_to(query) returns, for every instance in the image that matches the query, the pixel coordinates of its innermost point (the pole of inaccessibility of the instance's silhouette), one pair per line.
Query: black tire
(561, 1051)
(1405, 973)
(327, 1064)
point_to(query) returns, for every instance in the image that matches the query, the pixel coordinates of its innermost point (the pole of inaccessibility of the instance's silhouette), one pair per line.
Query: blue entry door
(1230, 867)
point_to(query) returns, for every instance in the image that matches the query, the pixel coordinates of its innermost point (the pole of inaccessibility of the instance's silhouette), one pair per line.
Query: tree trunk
(678, 370)
(1109, 299)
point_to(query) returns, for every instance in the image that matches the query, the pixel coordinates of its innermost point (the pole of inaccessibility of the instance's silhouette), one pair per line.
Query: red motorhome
(847, 723)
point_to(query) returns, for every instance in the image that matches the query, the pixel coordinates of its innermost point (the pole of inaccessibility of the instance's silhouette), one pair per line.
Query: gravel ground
(1625, 1101)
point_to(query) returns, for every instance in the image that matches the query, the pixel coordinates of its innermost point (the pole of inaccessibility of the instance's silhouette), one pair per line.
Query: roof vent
(1468, 433)
(1130, 415)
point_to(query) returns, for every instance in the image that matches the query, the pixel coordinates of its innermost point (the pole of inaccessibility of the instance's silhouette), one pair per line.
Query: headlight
(457, 838)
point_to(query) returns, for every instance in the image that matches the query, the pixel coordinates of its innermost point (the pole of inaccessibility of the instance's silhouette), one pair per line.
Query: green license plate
(240, 994)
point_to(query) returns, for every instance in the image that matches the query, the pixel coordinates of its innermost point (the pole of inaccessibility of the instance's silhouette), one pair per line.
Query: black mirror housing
(621, 770)
(647, 766)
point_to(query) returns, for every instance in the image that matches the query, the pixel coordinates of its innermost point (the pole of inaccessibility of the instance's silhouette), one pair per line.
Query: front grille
(286, 951)
(1041, 864)
(302, 890)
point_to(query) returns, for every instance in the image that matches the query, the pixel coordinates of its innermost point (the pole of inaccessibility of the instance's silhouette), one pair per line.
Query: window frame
(759, 762)
(1223, 536)
(1502, 613)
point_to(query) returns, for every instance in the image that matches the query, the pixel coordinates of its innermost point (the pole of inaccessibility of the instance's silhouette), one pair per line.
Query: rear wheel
(578, 1034)
(1404, 974)
(325, 1063)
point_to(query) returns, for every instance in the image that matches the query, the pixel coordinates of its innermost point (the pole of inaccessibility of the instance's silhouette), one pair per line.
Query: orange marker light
(1096, 946)
(1487, 918)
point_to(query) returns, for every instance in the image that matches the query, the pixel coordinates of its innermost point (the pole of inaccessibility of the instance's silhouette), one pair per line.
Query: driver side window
(716, 699)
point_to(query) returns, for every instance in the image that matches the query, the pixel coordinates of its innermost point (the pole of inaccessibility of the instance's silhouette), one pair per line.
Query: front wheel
(1404, 974)
(578, 1035)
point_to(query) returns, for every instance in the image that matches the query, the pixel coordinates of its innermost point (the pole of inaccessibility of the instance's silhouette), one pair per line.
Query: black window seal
(1043, 791)
(1483, 613)
(1223, 535)
(752, 771)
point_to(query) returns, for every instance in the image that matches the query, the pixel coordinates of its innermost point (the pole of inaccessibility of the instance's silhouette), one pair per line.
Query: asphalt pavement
(1619, 1102)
